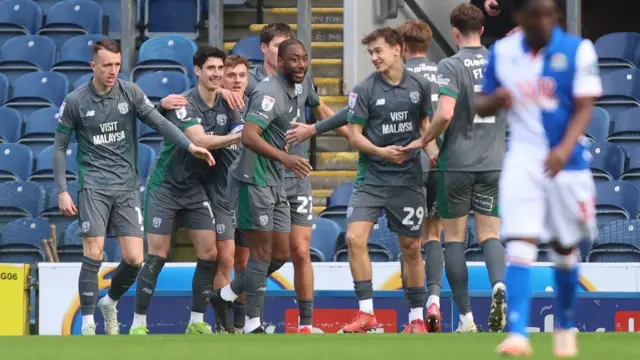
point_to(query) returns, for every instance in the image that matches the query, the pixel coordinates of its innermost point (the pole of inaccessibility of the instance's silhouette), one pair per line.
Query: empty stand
(4, 89)
(617, 51)
(20, 199)
(16, 162)
(159, 84)
(146, 156)
(38, 90)
(53, 213)
(172, 16)
(608, 161)
(40, 129)
(166, 53)
(616, 200)
(44, 166)
(21, 241)
(599, 125)
(324, 237)
(618, 241)
(10, 125)
(621, 91)
(75, 56)
(249, 47)
(70, 18)
(339, 199)
(19, 17)
(626, 130)
(27, 53)
(70, 245)
(632, 173)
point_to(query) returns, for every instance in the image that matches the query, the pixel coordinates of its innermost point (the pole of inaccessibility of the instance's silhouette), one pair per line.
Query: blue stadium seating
(85, 79)
(617, 51)
(21, 241)
(608, 161)
(249, 47)
(166, 53)
(159, 84)
(20, 199)
(44, 166)
(70, 244)
(10, 125)
(16, 162)
(616, 200)
(618, 241)
(40, 129)
(324, 237)
(27, 53)
(599, 126)
(4, 89)
(172, 16)
(52, 212)
(70, 18)
(621, 91)
(632, 173)
(111, 9)
(382, 241)
(146, 156)
(18, 17)
(626, 130)
(112, 250)
(339, 199)
(148, 136)
(75, 56)
(38, 90)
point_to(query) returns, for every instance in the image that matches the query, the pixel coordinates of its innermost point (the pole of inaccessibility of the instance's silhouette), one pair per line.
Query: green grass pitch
(608, 346)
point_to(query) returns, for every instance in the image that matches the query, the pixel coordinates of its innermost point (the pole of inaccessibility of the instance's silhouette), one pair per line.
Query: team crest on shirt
(298, 89)
(559, 62)
(123, 107)
(267, 103)
(352, 100)
(415, 97)
(181, 113)
(221, 119)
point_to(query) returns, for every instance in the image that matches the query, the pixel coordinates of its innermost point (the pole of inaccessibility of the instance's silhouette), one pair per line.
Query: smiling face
(294, 63)
(383, 55)
(210, 74)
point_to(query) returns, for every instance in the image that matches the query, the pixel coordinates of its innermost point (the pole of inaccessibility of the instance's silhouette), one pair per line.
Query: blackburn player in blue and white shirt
(548, 80)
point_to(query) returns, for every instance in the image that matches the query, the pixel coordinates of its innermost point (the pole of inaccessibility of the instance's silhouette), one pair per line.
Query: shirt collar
(386, 86)
(290, 88)
(111, 94)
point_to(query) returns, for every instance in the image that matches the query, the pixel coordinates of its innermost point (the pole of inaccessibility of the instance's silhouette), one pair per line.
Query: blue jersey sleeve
(490, 82)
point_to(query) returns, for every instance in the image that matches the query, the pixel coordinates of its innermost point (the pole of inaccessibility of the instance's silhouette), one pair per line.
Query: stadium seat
(4, 89)
(146, 156)
(21, 241)
(20, 199)
(172, 16)
(16, 162)
(166, 53)
(159, 84)
(382, 238)
(44, 166)
(608, 161)
(111, 9)
(10, 125)
(632, 173)
(249, 47)
(70, 244)
(621, 91)
(616, 200)
(617, 51)
(599, 126)
(626, 130)
(85, 79)
(149, 136)
(324, 237)
(52, 211)
(45, 5)
(339, 199)
(618, 241)
(70, 18)
(27, 53)
(40, 129)
(18, 17)
(75, 56)
(38, 90)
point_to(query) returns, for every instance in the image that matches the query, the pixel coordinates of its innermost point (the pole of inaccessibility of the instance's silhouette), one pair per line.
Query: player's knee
(93, 251)
(300, 255)
(225, 261)
(240, 260)
(133, 260)
(411, 250)
(209, 253)
(355, 242)
(565, 258)
(521, 251)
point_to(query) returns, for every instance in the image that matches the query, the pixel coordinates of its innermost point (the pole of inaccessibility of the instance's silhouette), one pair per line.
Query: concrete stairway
(335, 162)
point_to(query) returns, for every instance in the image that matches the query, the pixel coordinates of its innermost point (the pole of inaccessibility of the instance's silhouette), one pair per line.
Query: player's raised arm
(302, 132)
(493, 96)
(66, 124)
(262, 111)
(186, 119)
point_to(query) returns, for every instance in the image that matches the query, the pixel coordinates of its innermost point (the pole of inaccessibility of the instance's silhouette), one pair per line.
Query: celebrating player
(257, 182)
(235, 79)
(469, 166)
(386, 112)
(548, 80)
(416, 35)
(175, 192)
(103, 113)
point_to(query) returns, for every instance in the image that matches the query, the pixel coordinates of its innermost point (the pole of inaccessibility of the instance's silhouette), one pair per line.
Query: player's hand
(173, 102)
(414, 145)
(233, 98)
(504, 98)
(394, 153)
(202, 153)
(66, 205)
(299, 133)
(556, 160)
(299, 165)
(492, 7)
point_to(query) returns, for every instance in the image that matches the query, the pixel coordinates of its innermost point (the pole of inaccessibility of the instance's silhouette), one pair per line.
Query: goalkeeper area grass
(302, 347)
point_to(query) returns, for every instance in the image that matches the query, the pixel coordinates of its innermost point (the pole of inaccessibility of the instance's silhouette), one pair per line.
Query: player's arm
(187, 121)
(171, 102)
(302, 132)
(67, 119)
(234, 99)
(493, 96)
(263, 109)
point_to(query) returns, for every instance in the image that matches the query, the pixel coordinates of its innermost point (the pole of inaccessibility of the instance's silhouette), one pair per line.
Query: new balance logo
(90, 113)
(380, 102)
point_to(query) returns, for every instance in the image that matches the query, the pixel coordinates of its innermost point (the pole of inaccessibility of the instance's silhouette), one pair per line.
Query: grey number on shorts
(306, 206)
(208, 206)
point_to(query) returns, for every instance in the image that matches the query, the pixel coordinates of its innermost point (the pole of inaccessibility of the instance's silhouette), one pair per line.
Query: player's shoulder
(415, 79)
(511, 44)
(267, 85)
(127, 86)
(78, 94)
(365, 84)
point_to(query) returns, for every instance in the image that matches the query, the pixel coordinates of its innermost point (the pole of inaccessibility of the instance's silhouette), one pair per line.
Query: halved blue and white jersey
(543, 86)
